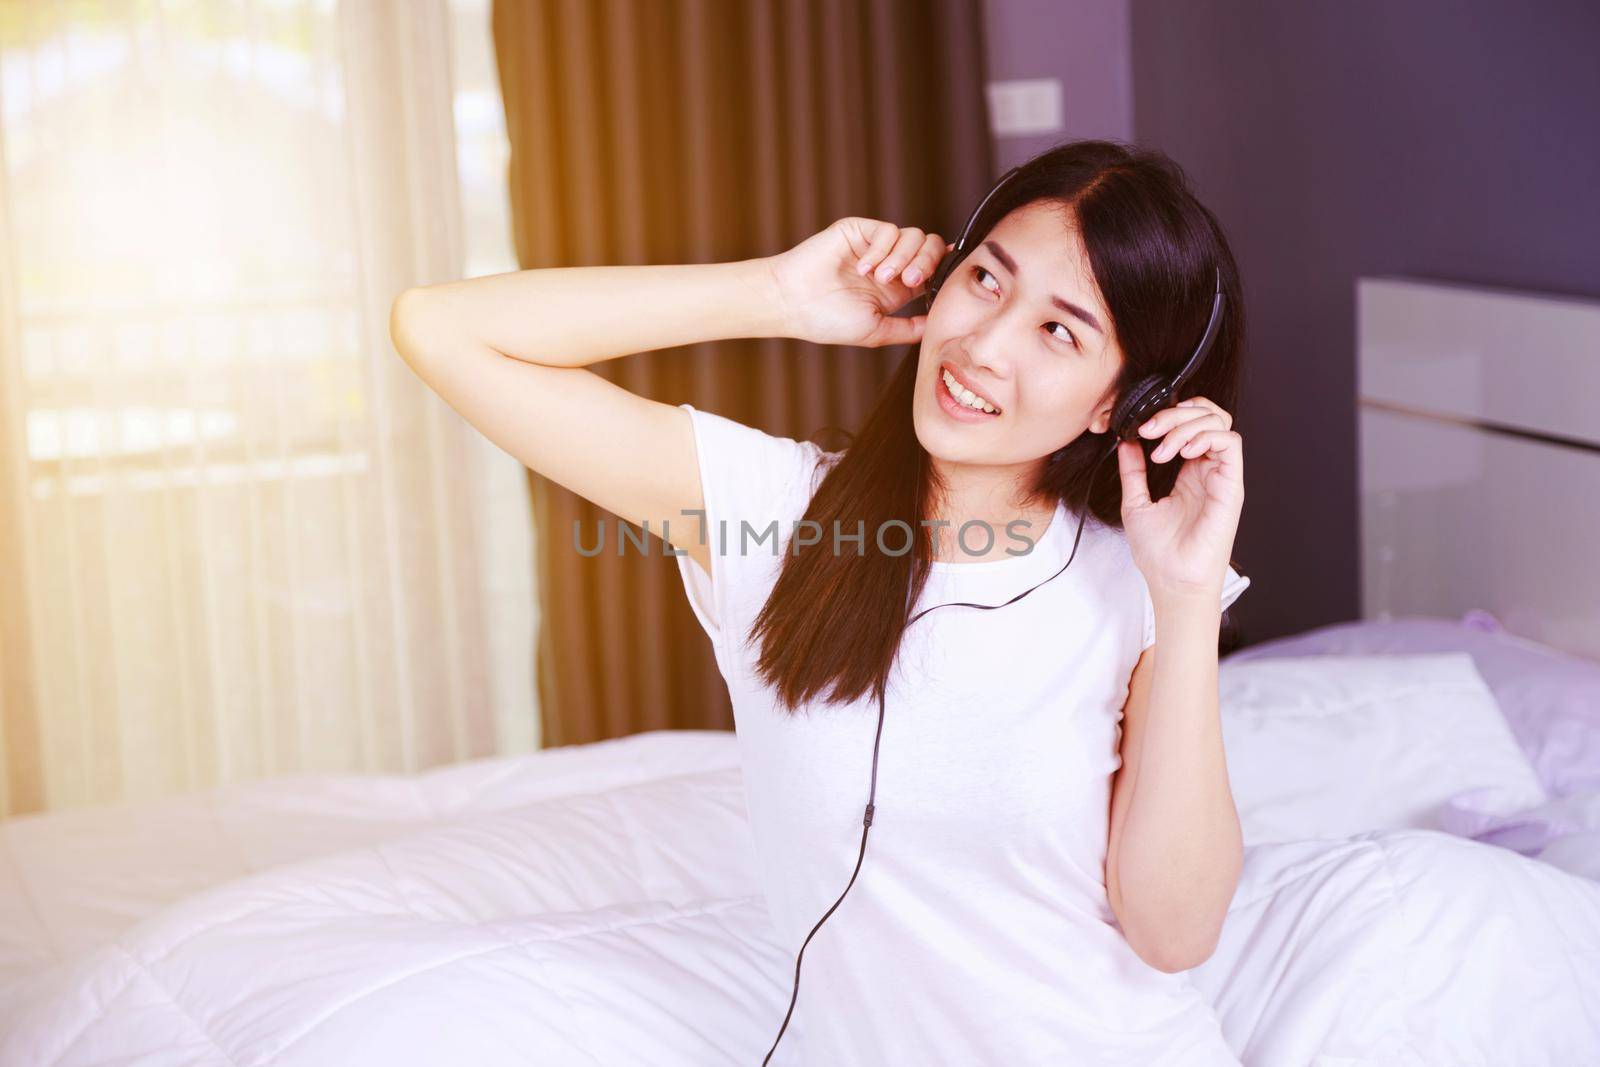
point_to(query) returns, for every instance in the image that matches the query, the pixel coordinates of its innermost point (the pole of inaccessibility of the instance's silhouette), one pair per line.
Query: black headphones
(1148, 396)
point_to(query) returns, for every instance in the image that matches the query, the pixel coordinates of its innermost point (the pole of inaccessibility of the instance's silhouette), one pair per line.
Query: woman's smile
(960, 402)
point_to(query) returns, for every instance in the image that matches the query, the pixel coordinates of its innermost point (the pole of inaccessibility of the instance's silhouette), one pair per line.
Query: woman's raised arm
(508, 352)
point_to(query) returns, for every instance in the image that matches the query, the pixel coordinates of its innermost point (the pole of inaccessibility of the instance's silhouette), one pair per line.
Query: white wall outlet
(1026, 106)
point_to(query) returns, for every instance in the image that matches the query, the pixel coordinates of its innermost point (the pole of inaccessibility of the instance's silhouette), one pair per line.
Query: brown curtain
(676, 131)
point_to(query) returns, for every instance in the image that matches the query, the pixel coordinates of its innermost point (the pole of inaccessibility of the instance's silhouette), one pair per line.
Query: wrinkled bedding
(71, 881)
(596, 905)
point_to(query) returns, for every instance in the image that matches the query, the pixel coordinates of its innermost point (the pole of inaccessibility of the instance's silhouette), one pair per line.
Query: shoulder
(749, 473)
(754, 486)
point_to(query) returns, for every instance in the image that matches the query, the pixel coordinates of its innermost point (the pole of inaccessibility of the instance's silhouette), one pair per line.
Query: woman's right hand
(841, 286)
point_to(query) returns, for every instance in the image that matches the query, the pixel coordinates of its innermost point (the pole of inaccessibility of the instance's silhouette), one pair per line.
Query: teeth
(966, 396)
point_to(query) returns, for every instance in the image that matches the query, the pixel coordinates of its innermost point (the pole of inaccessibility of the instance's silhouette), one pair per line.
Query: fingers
(1131, 467)
(898, 331)
(1179, 425)
(884, 236)
(925, 262)
(1224, 446)
(906, 251)
(1215, 442)
(1209, 404)
(1178, 438)
(1194, 407)
(900, 256)
(1168, 420)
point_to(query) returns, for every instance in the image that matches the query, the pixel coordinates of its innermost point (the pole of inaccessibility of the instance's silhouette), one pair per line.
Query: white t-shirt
(979, 930)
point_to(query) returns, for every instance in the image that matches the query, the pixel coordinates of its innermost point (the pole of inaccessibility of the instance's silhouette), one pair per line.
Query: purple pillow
(1551, 700)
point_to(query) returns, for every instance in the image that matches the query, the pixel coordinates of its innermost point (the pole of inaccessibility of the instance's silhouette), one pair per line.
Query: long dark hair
(834, 620)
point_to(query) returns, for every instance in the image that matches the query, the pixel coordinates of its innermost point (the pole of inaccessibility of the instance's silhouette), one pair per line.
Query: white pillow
(1330, 746)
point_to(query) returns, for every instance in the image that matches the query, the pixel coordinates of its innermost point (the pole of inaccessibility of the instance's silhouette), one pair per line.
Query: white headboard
(1479, 467)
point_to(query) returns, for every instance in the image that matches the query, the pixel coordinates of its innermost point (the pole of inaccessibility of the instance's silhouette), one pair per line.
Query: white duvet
(595, 905)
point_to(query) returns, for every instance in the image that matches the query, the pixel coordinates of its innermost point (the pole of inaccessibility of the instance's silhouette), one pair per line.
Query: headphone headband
(966, 231)
(1213, 325)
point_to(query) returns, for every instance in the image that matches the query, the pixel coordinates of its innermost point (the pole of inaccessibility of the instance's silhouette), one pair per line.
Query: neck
(992, 495)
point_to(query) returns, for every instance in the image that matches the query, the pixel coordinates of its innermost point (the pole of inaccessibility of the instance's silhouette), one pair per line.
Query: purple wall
(1081, 43)
(1448, 139)
(1443, 139)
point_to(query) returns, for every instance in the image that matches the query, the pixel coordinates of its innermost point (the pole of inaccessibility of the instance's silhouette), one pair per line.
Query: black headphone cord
(872, 791)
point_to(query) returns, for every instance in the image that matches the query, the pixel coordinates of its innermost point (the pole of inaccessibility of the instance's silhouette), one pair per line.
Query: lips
(966, 383)
(954, 410)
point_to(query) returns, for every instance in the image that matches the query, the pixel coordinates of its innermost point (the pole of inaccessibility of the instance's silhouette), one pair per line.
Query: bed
(1419, 789)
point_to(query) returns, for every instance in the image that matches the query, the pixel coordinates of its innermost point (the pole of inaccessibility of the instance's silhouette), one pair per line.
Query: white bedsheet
(594, 905)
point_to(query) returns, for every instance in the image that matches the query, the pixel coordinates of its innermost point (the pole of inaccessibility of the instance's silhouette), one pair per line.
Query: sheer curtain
(238, 537)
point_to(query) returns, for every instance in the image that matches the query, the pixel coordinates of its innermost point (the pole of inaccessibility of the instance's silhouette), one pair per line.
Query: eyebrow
(1070, 308)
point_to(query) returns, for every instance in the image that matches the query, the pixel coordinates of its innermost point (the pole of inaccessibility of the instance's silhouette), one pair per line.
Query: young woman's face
(1045, 370)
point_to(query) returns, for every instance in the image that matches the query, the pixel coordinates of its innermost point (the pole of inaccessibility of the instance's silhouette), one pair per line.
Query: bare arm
(575, 316)
(509, 352)
(1175, 850)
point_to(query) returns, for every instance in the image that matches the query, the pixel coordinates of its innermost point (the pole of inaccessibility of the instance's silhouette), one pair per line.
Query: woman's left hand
(1183, 541)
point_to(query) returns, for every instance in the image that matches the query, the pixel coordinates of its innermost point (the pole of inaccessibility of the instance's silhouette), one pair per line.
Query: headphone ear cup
(1136, 407)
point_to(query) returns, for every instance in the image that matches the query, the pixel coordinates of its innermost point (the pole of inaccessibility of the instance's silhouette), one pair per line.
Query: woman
(1056, 839)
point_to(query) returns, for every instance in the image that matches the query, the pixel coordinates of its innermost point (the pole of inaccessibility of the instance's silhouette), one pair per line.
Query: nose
(991, 345)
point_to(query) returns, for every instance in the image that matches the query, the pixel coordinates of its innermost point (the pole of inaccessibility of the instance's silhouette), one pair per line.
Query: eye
(979, 270)
(1069, 338)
